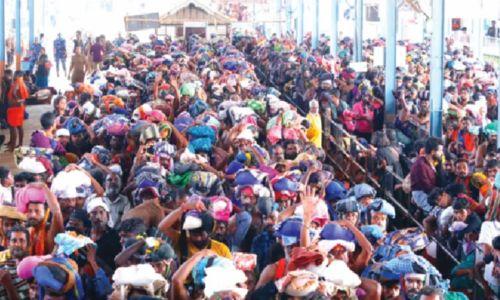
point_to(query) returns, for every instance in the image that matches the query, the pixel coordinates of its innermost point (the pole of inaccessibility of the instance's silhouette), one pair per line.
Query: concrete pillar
(2, 37)
(289, 17)
(300, 29)
(279, 11)
(31, 8)
(390, 59)
(477, 37)
(437, 47)
(315, 31)
(498, 113)
(18, 34)
(334, 36)
(358, 38)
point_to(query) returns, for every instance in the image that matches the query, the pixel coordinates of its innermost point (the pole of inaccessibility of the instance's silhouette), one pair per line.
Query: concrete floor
(30, 125)
(33, 123)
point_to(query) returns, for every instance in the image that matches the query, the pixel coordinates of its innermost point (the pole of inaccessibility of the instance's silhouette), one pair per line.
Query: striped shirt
(21, 285)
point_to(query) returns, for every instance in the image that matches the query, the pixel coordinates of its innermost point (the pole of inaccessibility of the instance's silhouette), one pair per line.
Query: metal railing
(340, 147)
(492, 43)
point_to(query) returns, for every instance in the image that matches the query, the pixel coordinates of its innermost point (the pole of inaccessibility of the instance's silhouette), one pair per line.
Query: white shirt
(445, 217)
(5, 195)
(489, 230)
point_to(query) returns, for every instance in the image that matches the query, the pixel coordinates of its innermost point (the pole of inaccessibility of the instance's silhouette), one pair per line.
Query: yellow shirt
(314, 131)
(4, 255)
(217, 247)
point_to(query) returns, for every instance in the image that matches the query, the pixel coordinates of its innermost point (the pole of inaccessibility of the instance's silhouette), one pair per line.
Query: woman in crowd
(16, 96)
(43, 66)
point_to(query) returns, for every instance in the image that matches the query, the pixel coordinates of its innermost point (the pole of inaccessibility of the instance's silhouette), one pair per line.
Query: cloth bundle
(183, 121)
(59, 274)
(221, 208)
(27, 195)
(32, 165)
(245, 261)
(338, 276)
(382, 206)
(284, 187)
(289, 230)
(74, 125)
(204, 183)
(249, 177)
(155, 116)
(71, 184)
(411, 263)
(332, 235)
(335, 191)
(114, 124)
(413, 237)
(302, 258)
(201, 131)
(69, 242)
(197, 108)
(102, 154)
(362, 190)
(218, 274)
(142, 275)
(27, 265)
(188, 89)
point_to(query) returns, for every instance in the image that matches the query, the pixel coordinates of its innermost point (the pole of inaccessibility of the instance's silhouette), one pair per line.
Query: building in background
(194, 17)
(465, 23)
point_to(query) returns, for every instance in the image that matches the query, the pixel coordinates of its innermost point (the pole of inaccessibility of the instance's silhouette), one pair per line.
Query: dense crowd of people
(202, 169)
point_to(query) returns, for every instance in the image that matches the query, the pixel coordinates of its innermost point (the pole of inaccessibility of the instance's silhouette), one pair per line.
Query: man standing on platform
(97, 51)
(34, 53)
(60, 53)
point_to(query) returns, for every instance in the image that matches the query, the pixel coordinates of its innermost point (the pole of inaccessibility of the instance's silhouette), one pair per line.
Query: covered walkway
(279, 159)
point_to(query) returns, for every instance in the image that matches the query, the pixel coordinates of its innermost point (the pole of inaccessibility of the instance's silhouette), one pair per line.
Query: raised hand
(309, 201)
(194, 205)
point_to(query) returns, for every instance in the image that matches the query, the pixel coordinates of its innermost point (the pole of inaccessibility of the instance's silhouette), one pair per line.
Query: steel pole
(18, 34)
(300, 30)
(498, 111)
(335, 30)
(358, 35)
(390, 59)
(315, 31)
(31, 8)
(2, 38)
(437, 47)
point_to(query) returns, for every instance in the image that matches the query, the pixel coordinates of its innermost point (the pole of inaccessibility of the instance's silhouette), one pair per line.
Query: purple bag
(332, 231)
(246, 178)
(183, 121)
(285, 184)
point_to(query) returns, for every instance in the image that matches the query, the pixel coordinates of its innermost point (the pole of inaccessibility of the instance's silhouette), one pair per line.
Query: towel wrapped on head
(29, 194)
(59, 275)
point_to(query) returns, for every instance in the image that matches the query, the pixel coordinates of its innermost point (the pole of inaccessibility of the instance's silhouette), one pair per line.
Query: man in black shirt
(78, 41)
(106, 238)
(463, 216)
(80, 138)
(493, 30)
